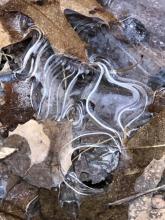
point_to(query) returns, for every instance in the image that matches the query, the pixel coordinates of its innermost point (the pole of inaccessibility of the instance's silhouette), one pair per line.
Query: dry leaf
(5, 38)
(50, 19)
(150, 135)
(60, 135)
(3, 2)
(141, 208)
(48, 142)
(6, 151)
(85, 6)
(38, 141)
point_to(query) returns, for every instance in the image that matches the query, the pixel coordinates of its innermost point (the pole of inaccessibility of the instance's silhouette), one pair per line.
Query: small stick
(144, 147)
(135, 196)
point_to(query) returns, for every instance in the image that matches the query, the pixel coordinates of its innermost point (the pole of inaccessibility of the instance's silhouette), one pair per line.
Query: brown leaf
(85, 6)
(141, 208)
(50, 19)
(60, 134)
(38, 141)
(5, 38)
(49, 141)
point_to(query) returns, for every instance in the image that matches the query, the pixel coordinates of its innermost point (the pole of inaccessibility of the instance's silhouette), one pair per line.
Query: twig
(145, 147)
(135, 196)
